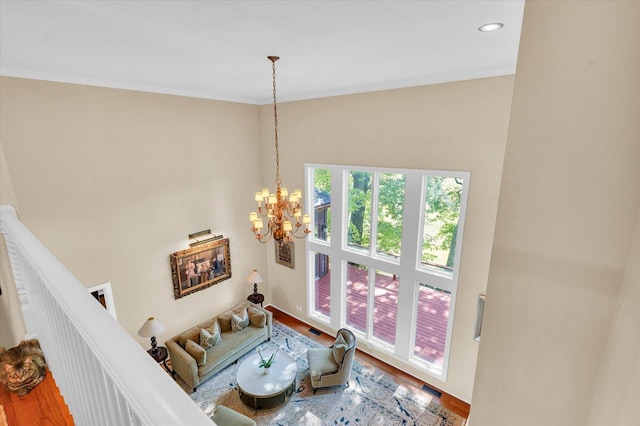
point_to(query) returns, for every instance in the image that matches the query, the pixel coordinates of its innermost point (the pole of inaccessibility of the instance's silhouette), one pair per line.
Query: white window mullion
(338, 238)
(373, 227)
(410, 242)
(461, 221)
(371, 302)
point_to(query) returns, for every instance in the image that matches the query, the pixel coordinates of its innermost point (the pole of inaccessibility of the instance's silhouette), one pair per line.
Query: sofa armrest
(183, 363)
(269, 315)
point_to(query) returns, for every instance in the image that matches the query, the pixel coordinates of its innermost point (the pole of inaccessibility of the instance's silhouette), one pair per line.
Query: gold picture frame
(200, 267)
(285, 254)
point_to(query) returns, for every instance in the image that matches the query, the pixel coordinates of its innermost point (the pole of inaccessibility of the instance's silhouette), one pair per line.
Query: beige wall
(7, 194)
(12, 328)
(617, 392)
(456, 126)
(568, 207)
(113, 181)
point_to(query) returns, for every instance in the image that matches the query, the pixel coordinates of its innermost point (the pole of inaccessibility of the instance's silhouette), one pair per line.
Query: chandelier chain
(275, 118)
(282, 209)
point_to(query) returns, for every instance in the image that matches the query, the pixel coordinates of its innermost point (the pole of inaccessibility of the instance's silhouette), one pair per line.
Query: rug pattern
(372, 398)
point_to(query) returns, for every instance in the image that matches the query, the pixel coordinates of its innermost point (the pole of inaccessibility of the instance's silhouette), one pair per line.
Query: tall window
(440, 221)
(357, 296)
(322, 279)
(394, 239)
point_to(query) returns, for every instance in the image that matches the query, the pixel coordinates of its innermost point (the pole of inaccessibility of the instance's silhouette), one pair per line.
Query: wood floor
(42, 406)
(457, 406)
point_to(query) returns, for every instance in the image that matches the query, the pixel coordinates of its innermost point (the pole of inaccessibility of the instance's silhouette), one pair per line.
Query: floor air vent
(316, 332)
(431, 391)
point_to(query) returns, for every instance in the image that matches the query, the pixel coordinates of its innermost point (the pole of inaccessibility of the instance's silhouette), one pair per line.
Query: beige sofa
(194, 362)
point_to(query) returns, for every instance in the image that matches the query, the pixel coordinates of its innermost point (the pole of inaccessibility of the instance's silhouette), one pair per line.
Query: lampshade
(150, 328)
(254, 277)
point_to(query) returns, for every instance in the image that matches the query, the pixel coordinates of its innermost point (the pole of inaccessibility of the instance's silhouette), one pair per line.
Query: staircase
(42, 406)
(105, 376)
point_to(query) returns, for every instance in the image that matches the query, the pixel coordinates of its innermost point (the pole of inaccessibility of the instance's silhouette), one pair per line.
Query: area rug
(372, 398)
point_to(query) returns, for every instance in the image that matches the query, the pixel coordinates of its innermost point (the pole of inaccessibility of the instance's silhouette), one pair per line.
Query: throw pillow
(197, 352)
(191, 334)
(257, 317)
(225, 321)
(241, 310)
(238, 322)
(339, 349)
(209, 337)
(208, 323)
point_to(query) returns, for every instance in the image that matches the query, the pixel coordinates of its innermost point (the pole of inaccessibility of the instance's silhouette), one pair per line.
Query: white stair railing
(104, 375)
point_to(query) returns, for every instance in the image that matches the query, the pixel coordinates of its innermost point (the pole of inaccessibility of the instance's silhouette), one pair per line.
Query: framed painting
(285, 254)
(199, 267)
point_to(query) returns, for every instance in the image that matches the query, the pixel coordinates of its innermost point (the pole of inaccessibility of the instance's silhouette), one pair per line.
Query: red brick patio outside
(433, 311)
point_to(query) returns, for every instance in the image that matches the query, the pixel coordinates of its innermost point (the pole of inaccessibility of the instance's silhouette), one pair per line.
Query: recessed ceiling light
(490, 27)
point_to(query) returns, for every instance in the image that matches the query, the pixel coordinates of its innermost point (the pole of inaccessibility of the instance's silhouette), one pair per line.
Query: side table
(256, 298)
(161, 356)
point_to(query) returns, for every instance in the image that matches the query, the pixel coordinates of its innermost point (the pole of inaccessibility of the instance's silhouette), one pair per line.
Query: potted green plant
(266, 363)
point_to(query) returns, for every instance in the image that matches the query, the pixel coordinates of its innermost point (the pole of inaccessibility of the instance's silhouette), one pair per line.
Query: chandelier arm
(300, 237)
(263, 238)
(262, 213)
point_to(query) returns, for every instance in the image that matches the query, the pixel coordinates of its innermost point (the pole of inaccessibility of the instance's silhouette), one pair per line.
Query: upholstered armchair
(224, 416)
(332, 366)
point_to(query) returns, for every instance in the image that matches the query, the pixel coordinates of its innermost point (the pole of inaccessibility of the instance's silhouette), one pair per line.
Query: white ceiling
(218, 49)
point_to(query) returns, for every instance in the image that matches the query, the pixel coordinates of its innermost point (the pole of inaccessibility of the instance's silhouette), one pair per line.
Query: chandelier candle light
(282, 210)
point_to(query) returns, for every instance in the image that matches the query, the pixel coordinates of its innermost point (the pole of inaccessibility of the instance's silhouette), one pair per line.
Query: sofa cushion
(191, 334)
(239, 320)
(197, 352)
(233, 345)
(225, 321)
(339, 348)
(210, 337)
(257, 317)
(321, 362)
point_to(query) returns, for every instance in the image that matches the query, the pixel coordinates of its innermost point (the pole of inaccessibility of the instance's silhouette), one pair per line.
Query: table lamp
(151, 328)
(255, 278)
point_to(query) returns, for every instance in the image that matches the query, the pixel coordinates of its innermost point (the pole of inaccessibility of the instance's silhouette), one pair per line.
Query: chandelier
(282, 210)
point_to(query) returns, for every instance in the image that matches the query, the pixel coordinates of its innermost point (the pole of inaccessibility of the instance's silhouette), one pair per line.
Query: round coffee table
(264, 391)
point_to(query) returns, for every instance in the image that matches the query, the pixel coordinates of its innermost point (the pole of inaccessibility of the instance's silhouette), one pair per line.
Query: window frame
(408, 267)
